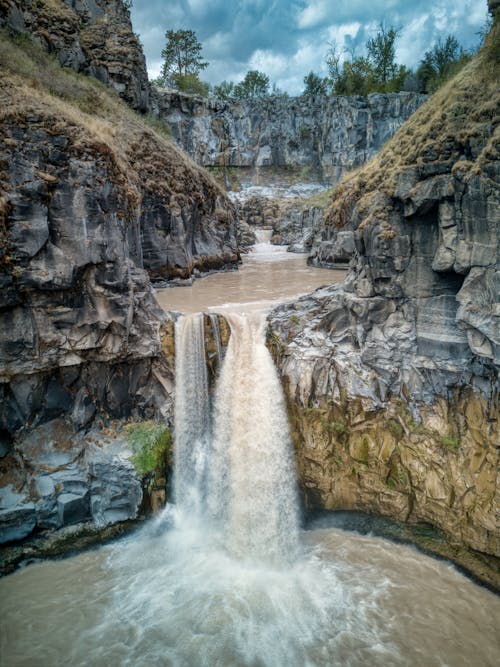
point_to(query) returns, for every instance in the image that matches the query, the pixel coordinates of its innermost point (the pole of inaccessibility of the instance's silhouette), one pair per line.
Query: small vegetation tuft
(450, 442)
(365, 451)
(334, 427)
(151, 445)
(395, 428)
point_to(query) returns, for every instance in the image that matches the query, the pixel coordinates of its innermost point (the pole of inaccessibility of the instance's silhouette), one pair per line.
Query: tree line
(375, 71)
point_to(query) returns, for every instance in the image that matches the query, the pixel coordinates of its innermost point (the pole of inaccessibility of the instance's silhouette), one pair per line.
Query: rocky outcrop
(292, 210)
(392, 377)
(381, 429)
(93, 203)
(94, 37)
(78, 310)
(337, 250)
(329, 135)
(297, 227)
(64, 477)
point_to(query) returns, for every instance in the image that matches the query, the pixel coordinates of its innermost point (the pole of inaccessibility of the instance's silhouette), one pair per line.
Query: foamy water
(225, 577)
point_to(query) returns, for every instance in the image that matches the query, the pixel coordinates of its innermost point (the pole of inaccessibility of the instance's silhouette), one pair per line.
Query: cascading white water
(192, 414)
(218, 580)
(242, 479)
(263, 236)
(252, 475)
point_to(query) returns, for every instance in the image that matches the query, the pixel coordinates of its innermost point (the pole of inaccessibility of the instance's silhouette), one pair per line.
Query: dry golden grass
(140, 159)
(466, 107)
(33, 84)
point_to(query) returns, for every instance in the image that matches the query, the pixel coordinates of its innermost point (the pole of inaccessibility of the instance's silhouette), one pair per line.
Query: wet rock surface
(60, 476)
(381, 429)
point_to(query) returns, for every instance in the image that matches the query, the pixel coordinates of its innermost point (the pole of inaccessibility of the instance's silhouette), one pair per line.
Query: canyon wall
(94, 203)
(325, 135)
(392, 377)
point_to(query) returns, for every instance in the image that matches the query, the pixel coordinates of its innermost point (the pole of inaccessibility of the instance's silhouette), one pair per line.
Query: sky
(286, 39)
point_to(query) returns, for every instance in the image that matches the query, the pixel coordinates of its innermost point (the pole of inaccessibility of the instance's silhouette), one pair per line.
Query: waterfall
(240, 468)
(263, 235)
(192, 414)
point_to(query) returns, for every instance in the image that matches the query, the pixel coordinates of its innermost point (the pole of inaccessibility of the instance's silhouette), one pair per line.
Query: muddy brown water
(268, 276)
(174, 595)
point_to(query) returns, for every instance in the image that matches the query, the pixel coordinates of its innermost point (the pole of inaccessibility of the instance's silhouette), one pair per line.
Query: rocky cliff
(94, 37)
(329, 135)
(392, 377)
(93, 202)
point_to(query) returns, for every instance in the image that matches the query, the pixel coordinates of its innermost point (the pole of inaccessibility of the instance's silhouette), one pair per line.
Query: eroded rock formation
(94, 37)
(93, 203)
(392, 377)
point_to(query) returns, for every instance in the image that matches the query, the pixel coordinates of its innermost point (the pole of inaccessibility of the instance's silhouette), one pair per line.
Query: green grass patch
(151, 445)
(450, 442)
(159, 126)
(319, 200)
(334, 427)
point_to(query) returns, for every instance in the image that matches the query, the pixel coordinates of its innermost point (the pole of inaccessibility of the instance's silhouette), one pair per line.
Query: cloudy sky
(288, 38)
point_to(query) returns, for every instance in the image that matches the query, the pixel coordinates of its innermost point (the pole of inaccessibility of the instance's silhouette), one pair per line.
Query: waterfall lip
(270, 277)
(247, 307)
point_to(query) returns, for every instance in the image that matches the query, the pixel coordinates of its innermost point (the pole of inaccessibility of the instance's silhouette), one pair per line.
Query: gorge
(225, 576)
(310, 400)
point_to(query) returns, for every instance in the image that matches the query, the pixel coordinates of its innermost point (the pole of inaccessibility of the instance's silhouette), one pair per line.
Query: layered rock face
(81, 331)
(392, 377)
(327, 134)
(298, 227)
(94, 37)
(92, 200)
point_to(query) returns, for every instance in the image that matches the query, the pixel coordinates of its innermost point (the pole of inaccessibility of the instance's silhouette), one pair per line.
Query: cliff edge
(392, 377)
(94, 202)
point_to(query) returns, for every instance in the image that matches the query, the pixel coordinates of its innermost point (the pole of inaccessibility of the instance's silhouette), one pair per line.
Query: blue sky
(288, 38)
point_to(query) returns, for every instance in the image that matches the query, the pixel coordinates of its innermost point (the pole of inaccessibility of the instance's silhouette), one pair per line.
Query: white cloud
(288, 38)
(413, 41)
(270, 63)
(312, 15)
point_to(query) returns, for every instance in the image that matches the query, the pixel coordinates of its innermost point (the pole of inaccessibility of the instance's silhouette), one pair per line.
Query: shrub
(151, 445)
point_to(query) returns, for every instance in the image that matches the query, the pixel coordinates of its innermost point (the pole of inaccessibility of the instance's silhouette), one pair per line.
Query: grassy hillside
(32, 84)
(458, 125)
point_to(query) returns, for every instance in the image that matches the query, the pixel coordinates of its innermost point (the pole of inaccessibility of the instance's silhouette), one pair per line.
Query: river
(226, 577)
